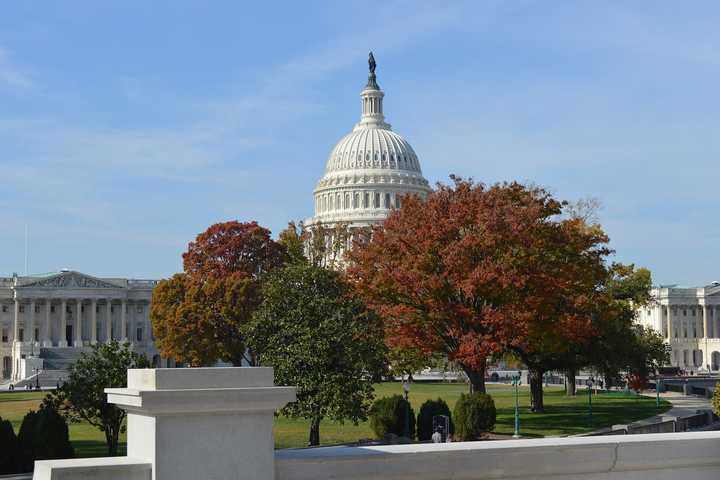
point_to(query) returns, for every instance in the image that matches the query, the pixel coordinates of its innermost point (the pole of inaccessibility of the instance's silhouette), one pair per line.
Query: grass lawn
(564, 415)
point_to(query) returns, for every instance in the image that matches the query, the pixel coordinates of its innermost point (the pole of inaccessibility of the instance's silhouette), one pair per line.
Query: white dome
(368, 170)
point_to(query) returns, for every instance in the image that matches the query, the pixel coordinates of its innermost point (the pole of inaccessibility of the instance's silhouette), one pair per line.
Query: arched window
(377, 201)
(367, 200)
(397, 200)
(347, 200)
(357, 201)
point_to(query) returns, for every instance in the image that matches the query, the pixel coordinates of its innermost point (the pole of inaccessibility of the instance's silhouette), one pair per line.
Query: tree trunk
(314, 440)
(112, 440)
(570, 387)
(535, 377)
(476, 377)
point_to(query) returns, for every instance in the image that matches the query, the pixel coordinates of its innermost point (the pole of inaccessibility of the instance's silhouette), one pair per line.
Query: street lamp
(406, 389)
(658, 386)
(516, 384)
(37, 378)
(590, 382)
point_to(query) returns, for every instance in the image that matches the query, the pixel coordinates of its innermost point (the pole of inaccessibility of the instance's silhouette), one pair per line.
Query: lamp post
(589, 382)
(406, 389)
(658, 386)
(516, 384)
(37, 378)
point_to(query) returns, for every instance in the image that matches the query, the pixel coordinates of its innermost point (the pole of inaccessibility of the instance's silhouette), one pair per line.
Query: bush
(8, 448)
(474, 415)
(428, 410)
(43, 436)
(388, 416)
(715, 399)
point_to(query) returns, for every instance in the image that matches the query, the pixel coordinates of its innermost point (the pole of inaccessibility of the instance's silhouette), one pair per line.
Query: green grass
(564, 415)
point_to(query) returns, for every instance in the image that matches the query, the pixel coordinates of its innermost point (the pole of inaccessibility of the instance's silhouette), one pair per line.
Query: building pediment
(69, 280)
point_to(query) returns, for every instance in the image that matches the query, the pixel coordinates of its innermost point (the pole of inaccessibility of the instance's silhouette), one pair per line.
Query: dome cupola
(369, 169)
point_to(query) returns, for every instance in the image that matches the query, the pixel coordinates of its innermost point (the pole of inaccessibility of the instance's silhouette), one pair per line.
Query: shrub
(43, 436)
(428, 410)
(388, 416)
(716, 399)
(8, 448)
(474, 415)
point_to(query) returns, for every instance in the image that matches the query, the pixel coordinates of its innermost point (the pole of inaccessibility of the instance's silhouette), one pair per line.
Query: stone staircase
(60, 358)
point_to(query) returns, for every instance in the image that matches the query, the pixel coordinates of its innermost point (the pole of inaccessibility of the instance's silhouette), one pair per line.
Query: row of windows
(376, 159)
(329, 202)
(6, 308)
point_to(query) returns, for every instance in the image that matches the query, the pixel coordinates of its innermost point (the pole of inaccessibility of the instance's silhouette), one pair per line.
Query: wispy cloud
(10, 74)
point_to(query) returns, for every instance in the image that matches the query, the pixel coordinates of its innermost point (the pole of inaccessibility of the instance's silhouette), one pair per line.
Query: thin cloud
(11, 75)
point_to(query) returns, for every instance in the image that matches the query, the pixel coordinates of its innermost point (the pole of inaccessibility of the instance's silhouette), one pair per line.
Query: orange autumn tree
(199, 316)
(561, 300)
(448, 274)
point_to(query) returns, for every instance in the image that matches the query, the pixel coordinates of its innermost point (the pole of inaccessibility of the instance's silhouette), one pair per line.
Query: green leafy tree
(82, 397)
(320, 339)
(405, 361)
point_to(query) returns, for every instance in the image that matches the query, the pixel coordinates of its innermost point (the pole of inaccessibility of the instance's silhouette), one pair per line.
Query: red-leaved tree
(450, 274)
(199, 317)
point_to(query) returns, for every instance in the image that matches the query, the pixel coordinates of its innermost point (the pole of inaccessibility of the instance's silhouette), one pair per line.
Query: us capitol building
(46, 322)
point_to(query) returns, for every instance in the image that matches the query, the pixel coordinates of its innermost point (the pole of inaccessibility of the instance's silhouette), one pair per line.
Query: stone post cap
(200, 390)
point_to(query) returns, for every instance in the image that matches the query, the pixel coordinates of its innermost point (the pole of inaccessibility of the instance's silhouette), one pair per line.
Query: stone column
(16, 321)
(47, 337)
(108, 321)
(30, 326)
(63, 323)
(669, 324)
(78, 325)
(123, 321)
(148, 323)
(192, 423)
(93, 326)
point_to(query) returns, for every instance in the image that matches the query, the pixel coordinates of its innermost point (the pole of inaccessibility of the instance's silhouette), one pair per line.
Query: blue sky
(128, 127)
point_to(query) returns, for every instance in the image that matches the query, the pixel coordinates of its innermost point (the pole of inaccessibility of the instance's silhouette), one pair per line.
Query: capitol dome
(369, 170)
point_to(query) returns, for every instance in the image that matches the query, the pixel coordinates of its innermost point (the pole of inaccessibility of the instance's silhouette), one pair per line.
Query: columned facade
(71, 310)
(689, 319)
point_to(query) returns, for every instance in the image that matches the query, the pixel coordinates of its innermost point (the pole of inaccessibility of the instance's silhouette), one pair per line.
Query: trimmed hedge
(428, 410)
(474, 415)
(8, 448)
(388, 416)
(43, 436)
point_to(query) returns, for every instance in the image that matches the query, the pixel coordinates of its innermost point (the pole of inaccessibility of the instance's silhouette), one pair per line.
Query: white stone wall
(689, 319)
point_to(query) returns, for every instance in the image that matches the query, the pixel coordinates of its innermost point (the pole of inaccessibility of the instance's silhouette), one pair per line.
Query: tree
(454, 274)
(200, 316)
(231, 247)
(82, 396)
(561, 292)
(321, 339)
(404, 361)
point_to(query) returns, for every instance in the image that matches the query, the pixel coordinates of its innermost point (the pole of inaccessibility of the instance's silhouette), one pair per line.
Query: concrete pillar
(16, 321)
(108, 321)
(78, 324)
(123, 321)
(93, 326)
(192, 423)
(47, 336)
(63, 323)
(30, 326)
